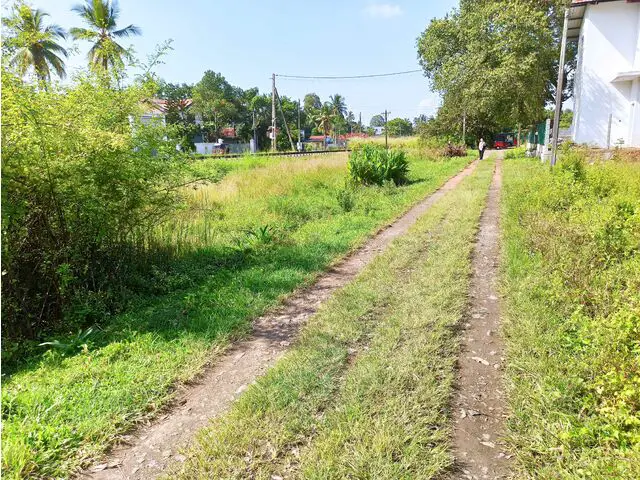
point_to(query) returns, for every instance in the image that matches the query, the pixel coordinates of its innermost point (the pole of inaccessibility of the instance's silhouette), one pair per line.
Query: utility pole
(255, 136)
(556, 116)
(273, 112)
(299, 132)
(386, 136)
(360, 122)
(284, 121)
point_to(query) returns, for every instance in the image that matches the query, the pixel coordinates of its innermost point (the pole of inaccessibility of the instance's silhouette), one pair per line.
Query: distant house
(607, 77)
(153, 110)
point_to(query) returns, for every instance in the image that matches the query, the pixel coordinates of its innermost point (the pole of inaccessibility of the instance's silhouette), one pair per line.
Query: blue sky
(248, 40)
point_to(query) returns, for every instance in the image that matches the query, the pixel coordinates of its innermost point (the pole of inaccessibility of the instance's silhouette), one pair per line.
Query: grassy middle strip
(364, 392)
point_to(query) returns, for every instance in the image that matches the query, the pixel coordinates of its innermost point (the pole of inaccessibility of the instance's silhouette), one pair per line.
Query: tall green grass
(236, 249)
(571, 245)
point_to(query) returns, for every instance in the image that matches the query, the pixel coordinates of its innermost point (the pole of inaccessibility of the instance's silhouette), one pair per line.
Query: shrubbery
(452, 150)
(518, 152)
(83, 182)
(373, 165)
(574, 281)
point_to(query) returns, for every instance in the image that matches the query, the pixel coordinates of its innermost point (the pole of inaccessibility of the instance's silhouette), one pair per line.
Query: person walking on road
(481, 148)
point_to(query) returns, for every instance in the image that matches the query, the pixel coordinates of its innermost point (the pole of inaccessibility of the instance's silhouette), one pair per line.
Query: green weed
(572, 282)
(373, 165)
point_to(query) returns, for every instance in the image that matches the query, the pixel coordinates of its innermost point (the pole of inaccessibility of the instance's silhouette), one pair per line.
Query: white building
(607, 81)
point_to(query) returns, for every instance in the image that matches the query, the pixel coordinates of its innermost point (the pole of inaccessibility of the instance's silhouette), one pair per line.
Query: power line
(406, 72)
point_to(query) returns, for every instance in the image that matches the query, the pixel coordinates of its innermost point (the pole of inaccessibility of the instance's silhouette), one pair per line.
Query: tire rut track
(148, 451)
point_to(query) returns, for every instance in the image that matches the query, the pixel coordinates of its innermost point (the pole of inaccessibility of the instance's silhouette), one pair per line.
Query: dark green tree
(494, 61)
(215, 100)
(377, 121)
(399, 127)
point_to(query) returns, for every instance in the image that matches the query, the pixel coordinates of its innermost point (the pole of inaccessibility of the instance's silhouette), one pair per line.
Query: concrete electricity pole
(386, 136)
(299, 132)
(556, 116)
(273, 112)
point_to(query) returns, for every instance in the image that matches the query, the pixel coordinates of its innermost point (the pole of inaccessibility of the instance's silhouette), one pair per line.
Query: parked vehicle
(505, 140)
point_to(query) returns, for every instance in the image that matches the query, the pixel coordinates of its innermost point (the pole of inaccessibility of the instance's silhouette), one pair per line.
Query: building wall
(610, 43)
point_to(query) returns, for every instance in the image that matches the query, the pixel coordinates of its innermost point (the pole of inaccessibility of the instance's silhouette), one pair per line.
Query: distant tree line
(218, 104)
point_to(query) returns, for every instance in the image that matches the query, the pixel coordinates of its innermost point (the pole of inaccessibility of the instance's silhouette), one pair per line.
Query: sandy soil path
(147, 452)
(479, 403)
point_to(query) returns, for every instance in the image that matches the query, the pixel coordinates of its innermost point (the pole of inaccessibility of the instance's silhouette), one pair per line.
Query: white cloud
(383, 10)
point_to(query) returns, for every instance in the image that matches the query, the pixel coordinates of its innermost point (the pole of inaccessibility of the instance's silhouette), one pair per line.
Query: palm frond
(56, 62)
(101, 16)
(127, 31)
(51, 46)
(83, 33)
(85, 12)
(56, 31)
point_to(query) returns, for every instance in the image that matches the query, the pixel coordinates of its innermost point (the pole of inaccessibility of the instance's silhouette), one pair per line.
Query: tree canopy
(495, 61)
(32, 44)
(101, 17)
(377, 121)
(399, 127)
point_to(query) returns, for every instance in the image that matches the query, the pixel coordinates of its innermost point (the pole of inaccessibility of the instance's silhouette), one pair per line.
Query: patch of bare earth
(147, 452)
(479, 402)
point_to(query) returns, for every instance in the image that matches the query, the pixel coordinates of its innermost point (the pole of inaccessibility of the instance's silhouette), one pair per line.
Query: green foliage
(346, 197)
(573, 163)
(518, 152)
(79, 342)
(494, 61)
(101, 17)
(62, 411)
(399, 127)
(377, 121)
(373, 164)
(31, 44)
(572, 272)
(82, 184)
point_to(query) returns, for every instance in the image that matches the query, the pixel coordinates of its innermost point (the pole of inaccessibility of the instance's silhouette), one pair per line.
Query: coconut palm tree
(101, 16)
(338, 105)
(33, 44)
(324, 118)
(351, 120)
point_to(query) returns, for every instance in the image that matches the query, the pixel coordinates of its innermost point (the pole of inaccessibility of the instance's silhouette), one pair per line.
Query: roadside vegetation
(233, 250)
(572, 284)
(364, 393)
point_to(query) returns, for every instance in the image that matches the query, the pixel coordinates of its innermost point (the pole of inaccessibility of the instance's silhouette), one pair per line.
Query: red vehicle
(505, 140)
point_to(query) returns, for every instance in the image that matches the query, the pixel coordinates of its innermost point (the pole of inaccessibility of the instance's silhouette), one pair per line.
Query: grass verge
(364, 392)
(571, 277)
(241, 245)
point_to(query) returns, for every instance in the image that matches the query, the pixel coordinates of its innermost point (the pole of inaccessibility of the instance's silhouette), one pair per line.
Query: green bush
(83, 181)
(518, 152)
(346, 198)
(573, 282)
(373, 164)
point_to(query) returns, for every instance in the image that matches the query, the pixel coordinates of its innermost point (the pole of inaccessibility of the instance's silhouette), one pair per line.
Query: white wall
(207, 148)
(610, 41)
